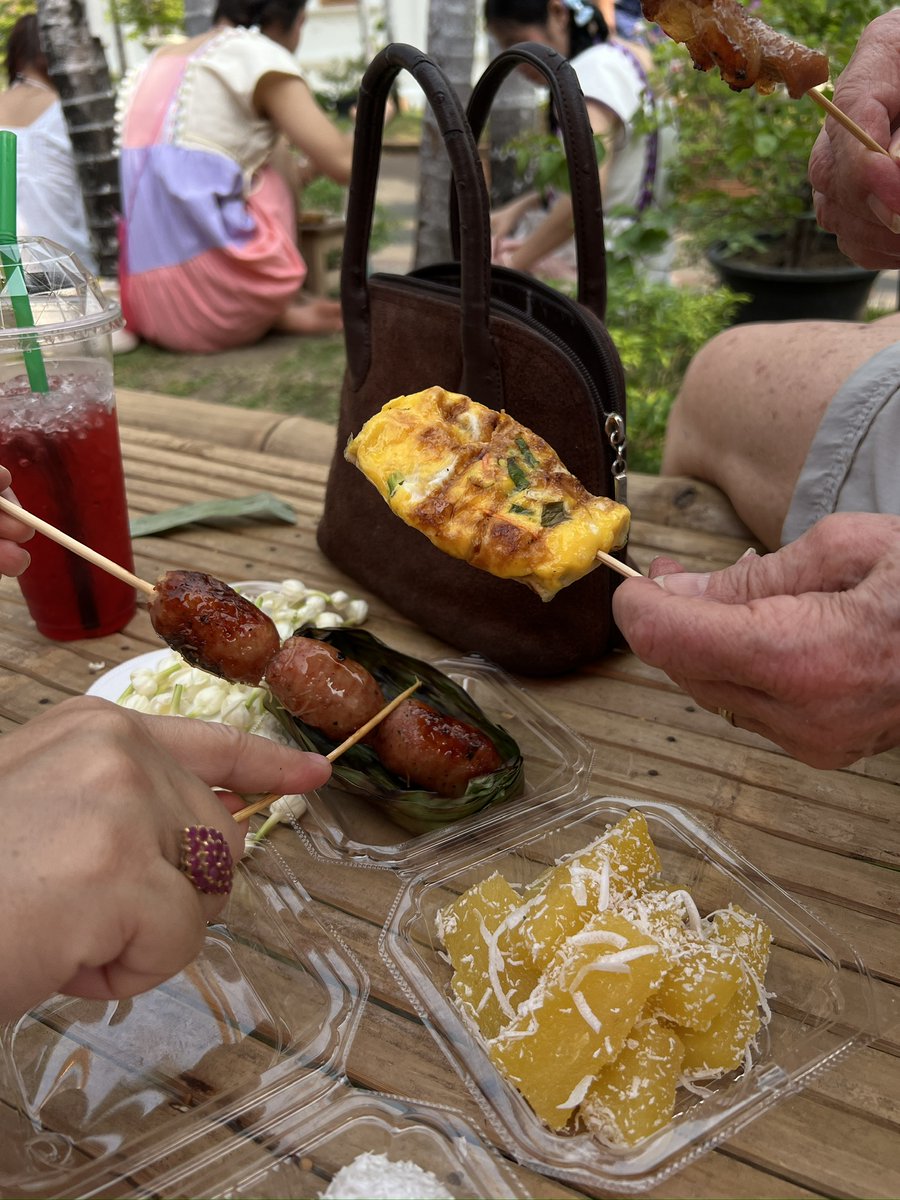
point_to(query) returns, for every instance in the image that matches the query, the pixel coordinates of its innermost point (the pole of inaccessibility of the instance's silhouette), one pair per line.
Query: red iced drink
(62, 449)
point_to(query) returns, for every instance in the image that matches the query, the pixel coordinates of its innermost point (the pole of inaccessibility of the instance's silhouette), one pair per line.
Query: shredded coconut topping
(376, 1177)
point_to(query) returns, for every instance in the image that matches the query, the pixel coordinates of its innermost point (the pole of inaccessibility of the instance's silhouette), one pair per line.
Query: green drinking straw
(11, 263)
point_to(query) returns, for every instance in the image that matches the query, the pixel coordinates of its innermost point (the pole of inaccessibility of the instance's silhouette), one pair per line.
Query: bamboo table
(831, 839)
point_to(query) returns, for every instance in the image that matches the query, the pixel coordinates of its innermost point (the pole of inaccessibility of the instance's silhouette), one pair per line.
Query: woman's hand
(802, 646)
(13, 559)
(857, 191)
(95, 799)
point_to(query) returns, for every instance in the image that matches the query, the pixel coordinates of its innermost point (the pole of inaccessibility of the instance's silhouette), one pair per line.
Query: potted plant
(739, 180)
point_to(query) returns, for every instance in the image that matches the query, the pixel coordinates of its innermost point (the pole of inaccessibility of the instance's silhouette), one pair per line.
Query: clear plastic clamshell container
(824, 1004)
(302, 1155)
(345, 827)
(266, 1014)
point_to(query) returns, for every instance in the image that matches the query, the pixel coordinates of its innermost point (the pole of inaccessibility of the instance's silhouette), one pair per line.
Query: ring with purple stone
(206, 860)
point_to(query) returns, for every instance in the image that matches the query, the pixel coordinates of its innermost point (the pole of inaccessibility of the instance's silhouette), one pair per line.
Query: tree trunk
(451, 43)
(198, 16)
(514, 112)
(80, 74)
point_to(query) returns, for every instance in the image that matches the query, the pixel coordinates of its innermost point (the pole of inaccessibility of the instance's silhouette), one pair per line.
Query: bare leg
(311, 317)
(751, 402)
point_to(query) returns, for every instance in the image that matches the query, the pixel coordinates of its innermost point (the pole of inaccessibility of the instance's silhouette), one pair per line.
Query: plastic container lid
(824, 1004)
(260, 1023)
(302, 1155)
(558, 762)
(67, 303)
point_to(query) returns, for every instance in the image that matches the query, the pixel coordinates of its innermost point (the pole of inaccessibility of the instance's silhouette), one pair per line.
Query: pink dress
(208, 254)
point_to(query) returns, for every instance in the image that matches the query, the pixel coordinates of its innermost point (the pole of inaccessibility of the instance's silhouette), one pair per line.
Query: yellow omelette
(485, 489)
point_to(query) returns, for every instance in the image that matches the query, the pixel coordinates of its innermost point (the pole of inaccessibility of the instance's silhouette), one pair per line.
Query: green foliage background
(742, 158)
(10, 11)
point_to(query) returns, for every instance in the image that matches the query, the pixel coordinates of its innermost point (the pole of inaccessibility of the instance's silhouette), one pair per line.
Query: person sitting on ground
(100, 899)
(209, 258)
(798, 423)
(49, 200)
(613, 74)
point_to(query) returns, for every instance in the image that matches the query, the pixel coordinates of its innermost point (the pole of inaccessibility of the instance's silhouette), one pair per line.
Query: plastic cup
(62, 445)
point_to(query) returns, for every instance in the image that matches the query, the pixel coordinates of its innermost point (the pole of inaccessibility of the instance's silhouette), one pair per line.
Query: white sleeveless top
(48, 191)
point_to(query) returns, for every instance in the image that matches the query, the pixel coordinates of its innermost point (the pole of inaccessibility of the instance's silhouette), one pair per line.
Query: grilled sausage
(318, 684)
(432, 750)
(212, 626)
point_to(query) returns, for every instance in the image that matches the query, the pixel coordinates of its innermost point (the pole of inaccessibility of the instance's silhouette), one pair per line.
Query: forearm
(554, 231)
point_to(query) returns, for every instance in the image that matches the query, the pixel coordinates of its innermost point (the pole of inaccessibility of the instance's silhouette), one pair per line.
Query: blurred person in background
(533, 232)
(209, 256)
(48, 192)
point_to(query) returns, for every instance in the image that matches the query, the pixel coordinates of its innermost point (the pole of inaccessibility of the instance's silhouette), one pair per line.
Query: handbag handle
(578, 140)
(481, 373)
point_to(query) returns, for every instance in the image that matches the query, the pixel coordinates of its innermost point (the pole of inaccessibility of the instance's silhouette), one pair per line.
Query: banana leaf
(359, 769)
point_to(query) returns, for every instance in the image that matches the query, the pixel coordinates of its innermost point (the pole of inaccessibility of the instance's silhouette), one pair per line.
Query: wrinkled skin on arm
(802, 645)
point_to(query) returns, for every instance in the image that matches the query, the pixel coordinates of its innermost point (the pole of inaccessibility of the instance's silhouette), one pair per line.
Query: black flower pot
(838, 291)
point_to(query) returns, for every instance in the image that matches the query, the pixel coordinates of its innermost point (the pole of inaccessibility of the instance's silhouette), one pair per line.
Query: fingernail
(748, 553)
(890, 220)
(683, 583)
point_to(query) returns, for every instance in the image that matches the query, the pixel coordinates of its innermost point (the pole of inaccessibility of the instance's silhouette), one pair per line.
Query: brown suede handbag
(499, 336)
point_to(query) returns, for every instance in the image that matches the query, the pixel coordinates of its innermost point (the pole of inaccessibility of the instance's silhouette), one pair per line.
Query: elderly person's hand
(13, 558)
(802, 646)
(97, 900)
(857, 191)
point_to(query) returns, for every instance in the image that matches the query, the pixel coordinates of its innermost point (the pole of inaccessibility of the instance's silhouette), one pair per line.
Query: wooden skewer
(92, 556)
(842, 119)
(265, 801)
(622, 568)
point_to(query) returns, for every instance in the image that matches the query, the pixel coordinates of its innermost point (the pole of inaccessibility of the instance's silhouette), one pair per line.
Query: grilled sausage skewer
(216, 629)
(264, 801)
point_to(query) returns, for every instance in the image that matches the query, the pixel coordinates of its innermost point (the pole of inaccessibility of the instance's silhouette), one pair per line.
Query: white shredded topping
(578, 1093)
(586, 1011)
(603, 898)
(693, 914)
(597, 937)
(495, 966)
(376, 1177)
(616, 963)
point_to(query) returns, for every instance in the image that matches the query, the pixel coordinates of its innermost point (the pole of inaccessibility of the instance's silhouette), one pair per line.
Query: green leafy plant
(11, 11)
(741, 164)
(149, 18)
(657, 329)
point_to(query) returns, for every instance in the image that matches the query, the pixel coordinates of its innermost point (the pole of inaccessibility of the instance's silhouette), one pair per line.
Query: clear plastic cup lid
(65, 298)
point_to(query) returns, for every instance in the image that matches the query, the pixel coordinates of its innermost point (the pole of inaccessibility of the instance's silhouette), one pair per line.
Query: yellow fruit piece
(722, 1046)
(635, 1095)
(700, 982)
(489, 979)
(744, 933)
(579, 1015)
(614, 866)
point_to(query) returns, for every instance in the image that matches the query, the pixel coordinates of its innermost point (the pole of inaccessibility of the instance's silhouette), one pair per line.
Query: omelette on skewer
(485, 489)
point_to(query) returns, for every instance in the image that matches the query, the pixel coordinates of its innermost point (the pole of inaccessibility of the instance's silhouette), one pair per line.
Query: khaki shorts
(853, 463)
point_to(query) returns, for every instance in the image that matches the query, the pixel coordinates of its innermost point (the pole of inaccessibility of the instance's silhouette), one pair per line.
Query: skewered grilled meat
(315, 682)
(723, 34)
(212, 626)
